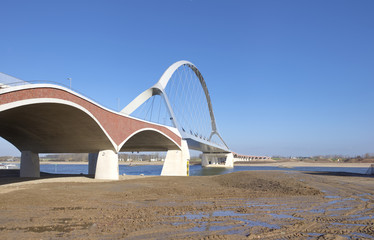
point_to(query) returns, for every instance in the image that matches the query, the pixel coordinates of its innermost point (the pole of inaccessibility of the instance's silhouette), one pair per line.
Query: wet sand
(241, 205)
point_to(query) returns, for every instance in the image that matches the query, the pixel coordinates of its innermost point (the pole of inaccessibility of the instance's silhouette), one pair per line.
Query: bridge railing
(6, 80)
(21, 83)
(8, 84)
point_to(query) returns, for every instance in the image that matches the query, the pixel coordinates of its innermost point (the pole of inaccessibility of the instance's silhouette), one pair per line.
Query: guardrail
(21, 83)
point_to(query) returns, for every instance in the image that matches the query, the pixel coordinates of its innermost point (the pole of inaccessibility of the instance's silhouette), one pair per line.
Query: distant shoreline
(292, 164)
(120, 163)
(289, 164)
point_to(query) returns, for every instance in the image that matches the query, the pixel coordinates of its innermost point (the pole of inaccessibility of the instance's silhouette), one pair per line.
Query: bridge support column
(218, 160)
(106, 165)
(176, 161)
(30, 166)
(92, 162)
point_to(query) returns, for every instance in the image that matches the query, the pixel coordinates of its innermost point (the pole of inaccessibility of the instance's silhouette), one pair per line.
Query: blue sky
(285, 77)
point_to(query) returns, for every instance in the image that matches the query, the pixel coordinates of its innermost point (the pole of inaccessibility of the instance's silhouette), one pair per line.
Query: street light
(70, 82)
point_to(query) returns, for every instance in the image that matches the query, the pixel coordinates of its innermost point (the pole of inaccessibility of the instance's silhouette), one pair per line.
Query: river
(195, 170)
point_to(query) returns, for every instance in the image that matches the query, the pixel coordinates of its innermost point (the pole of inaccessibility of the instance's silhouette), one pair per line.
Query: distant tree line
(367, 157)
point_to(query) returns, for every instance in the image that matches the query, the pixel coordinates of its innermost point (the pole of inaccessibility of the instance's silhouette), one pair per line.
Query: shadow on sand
(8, 176)
(341, 174)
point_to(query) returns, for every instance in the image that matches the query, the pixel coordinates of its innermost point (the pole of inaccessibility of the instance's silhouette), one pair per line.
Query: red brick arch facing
(118, 127)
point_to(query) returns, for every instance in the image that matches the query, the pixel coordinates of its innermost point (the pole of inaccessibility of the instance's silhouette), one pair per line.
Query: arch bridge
(174, 115)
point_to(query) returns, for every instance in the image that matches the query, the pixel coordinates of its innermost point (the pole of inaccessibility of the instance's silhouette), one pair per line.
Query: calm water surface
(195, 170)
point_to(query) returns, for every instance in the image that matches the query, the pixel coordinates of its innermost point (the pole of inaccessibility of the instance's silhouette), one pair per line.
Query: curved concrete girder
(159, 89)
(148, 139)
(51, 126)
(115, 125)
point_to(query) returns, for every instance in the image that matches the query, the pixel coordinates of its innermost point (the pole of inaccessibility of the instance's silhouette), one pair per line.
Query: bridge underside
(52, 128)
(148, 140)
(204, 147)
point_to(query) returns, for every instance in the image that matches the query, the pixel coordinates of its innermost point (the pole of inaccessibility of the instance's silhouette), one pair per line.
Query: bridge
(249, 158)
(174, 115)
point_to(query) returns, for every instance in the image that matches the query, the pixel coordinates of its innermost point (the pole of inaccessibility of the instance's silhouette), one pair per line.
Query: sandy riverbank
(241, 205)
(292, 164)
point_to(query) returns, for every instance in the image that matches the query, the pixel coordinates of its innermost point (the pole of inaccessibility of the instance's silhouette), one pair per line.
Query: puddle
(314, 234)
(263, 205)
(279, 216)
(191, 216)
(177, 223)
(363, 235)
(363, 194)
(206, 227)
(338, 200)
(228, 214)
(266, 209)
(335, 201)
(197, 229)
(362, 218)
(364, 199)
(219, 228)
(340, 209)
(349, 224)
(251, 223)
(332, 197)
(317, 211)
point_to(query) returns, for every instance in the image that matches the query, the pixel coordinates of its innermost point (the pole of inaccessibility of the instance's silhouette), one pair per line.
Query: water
(195, 170)
(284, 216)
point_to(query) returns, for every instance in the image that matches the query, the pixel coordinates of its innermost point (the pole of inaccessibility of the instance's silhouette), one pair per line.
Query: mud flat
(240, 205)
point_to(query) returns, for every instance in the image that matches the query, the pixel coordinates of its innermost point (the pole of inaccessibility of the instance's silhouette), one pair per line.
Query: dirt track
(241, 205)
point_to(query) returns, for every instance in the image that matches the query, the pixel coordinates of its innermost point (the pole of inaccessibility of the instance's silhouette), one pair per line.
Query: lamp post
(70, 82)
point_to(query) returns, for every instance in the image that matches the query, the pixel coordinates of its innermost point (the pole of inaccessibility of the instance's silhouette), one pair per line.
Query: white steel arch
(159, 89)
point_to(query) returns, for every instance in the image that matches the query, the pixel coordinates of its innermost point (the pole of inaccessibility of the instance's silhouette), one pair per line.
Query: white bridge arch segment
(194, 142)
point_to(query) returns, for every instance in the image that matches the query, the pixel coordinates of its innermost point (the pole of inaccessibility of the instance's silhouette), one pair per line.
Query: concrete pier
(218, 160)
(107, 165)
(176, 161)
(92, 162)
(30, 166)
